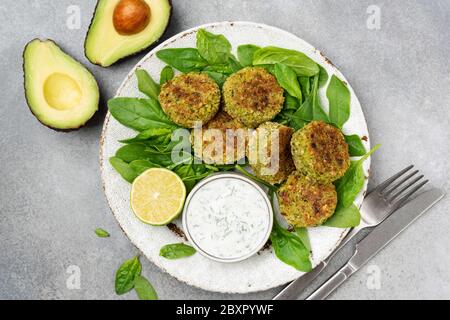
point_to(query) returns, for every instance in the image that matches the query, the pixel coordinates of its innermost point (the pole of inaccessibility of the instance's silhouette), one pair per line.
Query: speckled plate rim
(148, 56)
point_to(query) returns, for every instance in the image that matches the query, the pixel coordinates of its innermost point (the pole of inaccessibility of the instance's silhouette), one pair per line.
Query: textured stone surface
(51, 198)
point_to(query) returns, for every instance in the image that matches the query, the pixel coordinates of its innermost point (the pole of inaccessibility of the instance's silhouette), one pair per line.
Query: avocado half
(60, 91)
(104, 45)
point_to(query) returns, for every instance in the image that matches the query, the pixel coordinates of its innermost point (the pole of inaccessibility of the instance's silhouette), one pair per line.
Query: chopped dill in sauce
(228, 218)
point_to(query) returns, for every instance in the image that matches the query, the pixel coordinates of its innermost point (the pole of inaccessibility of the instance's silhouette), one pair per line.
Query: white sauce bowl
(227, 217)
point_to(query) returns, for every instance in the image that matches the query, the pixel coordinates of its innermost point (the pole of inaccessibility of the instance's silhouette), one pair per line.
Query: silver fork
(379, 204)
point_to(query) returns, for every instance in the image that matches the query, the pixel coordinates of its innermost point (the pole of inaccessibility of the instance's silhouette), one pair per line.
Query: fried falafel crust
(305, 202)
(271, 161)
(190, 98)
(253, 96)
(319, 151)
(234, 139)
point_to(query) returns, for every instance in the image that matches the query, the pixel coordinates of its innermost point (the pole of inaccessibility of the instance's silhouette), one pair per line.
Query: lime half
(157, 196)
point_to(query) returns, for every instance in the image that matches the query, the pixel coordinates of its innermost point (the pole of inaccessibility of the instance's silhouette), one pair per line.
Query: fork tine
(397, 204)
(403, 189)
(386, 183)
(389, 190)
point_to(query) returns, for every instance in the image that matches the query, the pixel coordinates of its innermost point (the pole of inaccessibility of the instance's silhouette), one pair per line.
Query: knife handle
(333, 283)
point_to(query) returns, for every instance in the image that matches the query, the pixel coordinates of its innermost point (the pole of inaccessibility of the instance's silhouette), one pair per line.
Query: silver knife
(379, 238)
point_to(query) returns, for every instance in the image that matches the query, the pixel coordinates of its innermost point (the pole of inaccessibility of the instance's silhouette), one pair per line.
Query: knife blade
(379, 238)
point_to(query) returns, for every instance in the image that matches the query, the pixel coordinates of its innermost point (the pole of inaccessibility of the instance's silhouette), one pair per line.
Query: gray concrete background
(51, 198)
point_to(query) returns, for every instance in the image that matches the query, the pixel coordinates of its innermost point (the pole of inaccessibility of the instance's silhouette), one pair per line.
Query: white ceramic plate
(262, 271)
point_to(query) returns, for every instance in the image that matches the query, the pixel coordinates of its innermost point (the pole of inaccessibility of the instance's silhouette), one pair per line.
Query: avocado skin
(28, 102)
(130, 55)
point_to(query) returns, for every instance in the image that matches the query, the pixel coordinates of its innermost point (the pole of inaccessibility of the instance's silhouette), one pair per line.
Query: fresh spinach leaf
(234, 64)
(287, 79)
(302, 234)
(350, 185)
(305, 85)
(344, 217)
(183, 59)
(139, 114)
(290, 103)
(146, 84)
(131, 152)
(310, 110)
(339, 99)
(123, 169)
(167, 74)
(355, 145)
(101, 233)
(186, 171)
(144, 289)
(245, 54)
(149, 134)
(176, 251)
(298, 61)
(140, 166)
(323, 76)
(290, 249)
(126, 274)
(214, 48)
(218, 77)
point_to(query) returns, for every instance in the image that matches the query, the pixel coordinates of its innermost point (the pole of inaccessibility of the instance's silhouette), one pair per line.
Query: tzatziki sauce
(228, 217)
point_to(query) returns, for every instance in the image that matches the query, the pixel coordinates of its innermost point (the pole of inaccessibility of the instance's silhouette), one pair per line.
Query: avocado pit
(131, 16)
(61, 91)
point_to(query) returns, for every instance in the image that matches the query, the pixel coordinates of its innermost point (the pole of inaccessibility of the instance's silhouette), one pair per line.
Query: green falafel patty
(253, 96)
(269, 152)
(305, 202)
(222, 140)
(190, 98)
(319, 151)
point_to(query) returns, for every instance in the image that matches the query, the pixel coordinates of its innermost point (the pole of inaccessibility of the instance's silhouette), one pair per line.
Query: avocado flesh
(60, 92)
(105, 46)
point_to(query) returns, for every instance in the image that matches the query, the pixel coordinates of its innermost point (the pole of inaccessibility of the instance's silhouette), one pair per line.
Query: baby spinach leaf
(245, 54)
(298, 61)
(101, 233)
(149, 133)
(323, 76)
(305, 85)
(214, 48)
(139, 114)
(126, 274)
(123, 169)
(146, 84)
(183, 59)
(310, 110)
(166, 75)
(140, 166)
(344, 217)
(131, 152)
(290, 103)
(290, 249)
(144, 289)
(176, 251)
(339, 99)
(234, 64)
(218, 77)
(302, 234)
(187, 173)
(287, 79)
(349, 186)
(355, 145)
